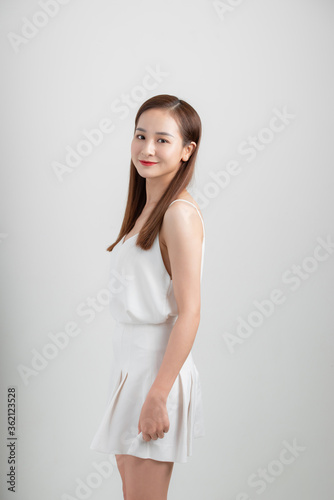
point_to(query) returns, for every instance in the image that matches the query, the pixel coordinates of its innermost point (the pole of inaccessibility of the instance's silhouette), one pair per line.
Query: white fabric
(143, 305)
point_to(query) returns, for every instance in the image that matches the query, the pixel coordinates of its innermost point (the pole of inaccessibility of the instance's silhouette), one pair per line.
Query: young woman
(155, 407)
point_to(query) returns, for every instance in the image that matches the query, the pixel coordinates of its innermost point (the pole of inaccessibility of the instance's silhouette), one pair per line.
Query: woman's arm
(183, 233)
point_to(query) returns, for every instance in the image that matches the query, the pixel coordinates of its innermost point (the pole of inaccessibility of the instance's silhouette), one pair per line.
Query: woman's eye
(138, 136)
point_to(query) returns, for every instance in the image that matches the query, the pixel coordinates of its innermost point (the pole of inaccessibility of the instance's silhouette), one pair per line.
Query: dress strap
(181, 199)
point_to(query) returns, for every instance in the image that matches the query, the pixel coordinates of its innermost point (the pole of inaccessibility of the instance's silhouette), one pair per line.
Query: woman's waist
(149, 336)
(139, 326)
(141, 345)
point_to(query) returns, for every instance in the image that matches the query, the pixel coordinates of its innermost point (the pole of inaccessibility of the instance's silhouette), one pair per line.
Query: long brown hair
(190, 128)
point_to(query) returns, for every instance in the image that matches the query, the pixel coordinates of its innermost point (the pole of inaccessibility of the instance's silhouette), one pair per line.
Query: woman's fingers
(153, 419)
(155, 436)
(146, 437)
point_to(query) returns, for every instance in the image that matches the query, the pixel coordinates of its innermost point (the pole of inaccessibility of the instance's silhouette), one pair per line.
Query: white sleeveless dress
(143, 305)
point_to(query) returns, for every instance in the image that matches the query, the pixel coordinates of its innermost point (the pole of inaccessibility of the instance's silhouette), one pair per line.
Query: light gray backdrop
(260, 74)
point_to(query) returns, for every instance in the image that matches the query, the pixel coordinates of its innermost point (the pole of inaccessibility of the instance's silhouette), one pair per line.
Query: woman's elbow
(192, 314)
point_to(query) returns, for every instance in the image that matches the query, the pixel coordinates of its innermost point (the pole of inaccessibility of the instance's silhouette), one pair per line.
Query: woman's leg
(120, 465)
(144, 478)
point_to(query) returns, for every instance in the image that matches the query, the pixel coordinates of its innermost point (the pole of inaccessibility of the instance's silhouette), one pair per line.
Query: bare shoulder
(181, 217)
(187, 197)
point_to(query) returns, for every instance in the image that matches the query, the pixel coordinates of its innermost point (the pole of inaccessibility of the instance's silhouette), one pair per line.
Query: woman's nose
(148, 147)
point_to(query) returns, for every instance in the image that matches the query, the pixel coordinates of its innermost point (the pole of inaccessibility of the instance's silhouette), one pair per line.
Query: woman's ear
(188, 150)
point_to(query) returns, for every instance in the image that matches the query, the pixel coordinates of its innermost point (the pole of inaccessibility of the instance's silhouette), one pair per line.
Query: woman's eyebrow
(158, 133)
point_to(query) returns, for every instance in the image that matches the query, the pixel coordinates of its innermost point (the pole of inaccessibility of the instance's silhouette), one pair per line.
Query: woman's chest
(128, 258)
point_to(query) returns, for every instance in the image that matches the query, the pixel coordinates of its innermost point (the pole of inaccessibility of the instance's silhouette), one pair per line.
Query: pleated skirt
(138, 350)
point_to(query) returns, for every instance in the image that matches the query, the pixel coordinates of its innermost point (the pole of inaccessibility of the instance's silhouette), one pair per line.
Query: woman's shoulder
(186, 197)
(179, 208)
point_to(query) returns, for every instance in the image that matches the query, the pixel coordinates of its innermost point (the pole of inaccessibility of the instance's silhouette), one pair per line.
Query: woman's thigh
(120, 465)
(144, 478)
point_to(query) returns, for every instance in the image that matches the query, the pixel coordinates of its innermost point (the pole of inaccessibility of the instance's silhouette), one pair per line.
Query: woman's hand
(153, 419)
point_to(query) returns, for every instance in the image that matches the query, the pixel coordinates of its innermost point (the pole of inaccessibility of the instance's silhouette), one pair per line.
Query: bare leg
(144, 478)
(121, 468)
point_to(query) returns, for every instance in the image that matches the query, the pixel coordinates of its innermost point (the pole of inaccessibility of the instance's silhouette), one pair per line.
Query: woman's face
(157, 139)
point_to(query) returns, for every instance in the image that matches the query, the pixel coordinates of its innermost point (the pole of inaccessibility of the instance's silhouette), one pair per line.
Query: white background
(235, 64)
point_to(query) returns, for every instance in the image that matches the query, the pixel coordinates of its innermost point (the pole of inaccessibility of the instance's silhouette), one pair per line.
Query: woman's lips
(147, 163)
